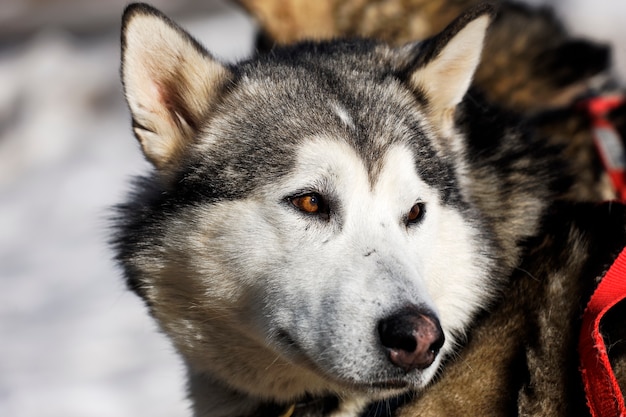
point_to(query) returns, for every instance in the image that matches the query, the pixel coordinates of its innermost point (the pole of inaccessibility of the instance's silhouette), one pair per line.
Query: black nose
(412, 338)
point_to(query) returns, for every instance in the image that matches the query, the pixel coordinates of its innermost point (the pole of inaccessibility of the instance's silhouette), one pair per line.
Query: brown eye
(415, 214)
(312, 203)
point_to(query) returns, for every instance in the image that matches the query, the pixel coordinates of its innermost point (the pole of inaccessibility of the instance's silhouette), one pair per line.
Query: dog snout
(412, 338)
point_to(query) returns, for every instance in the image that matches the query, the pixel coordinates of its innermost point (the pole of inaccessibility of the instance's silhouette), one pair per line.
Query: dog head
(307, 228)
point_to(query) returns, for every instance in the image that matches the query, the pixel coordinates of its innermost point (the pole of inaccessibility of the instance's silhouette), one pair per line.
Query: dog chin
(378, 386)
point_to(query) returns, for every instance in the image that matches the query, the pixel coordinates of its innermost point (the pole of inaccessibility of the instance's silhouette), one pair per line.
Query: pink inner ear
(165, 98)
(159, 101)
(160, 97)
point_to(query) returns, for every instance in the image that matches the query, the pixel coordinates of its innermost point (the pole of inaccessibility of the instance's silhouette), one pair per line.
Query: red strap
(608, 143)
(604, 397)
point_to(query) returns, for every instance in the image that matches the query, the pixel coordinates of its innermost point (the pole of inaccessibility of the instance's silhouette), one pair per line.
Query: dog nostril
(412, 338)
(396, 335)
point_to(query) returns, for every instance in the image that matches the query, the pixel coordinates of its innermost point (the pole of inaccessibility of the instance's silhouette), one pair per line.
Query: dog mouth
(295, 353)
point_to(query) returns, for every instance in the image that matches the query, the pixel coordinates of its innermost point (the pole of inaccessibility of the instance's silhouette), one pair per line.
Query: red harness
(604, 396)
(607, 140)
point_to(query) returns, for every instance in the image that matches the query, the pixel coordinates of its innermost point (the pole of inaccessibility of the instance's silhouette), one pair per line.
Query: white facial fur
(435, 264)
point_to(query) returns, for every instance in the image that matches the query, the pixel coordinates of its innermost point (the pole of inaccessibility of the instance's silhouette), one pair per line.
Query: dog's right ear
(170, 83)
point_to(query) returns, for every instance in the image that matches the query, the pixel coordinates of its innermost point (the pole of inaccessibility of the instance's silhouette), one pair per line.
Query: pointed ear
(446, 63)
(170, 83)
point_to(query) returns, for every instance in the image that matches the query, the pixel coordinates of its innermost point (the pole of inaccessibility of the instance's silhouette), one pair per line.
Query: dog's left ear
(445, 64)
(170, 83)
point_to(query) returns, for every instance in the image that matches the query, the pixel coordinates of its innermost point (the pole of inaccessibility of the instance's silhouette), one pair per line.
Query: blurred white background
(73, 341)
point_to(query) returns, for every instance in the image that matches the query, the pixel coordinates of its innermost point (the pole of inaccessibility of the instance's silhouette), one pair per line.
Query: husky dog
(323, 223)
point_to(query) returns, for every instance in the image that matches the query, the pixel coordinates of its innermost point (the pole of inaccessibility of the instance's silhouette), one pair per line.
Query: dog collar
(608, 142)
(308, 406)
(604, 396)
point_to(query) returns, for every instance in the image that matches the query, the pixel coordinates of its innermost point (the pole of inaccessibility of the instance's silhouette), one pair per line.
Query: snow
(73, 341)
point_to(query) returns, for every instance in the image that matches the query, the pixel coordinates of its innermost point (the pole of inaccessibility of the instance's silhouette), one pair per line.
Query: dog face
(306, 228)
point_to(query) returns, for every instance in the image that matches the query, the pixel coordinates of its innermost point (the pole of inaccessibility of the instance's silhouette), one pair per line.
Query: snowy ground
(73, 341)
